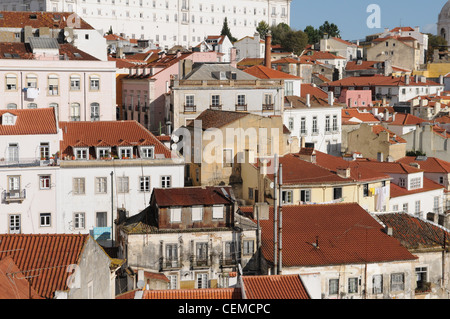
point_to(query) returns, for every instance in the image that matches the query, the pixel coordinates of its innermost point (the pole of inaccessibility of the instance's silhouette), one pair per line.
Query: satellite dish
(271, 185)
(66, 33)
(69, 39)
(175, 138)
(140, 284)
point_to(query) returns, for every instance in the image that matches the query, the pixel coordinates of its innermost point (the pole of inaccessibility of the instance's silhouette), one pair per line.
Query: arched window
(75, 112)
(75, 82)
(94, 82)
(11, 82)
(11, 106)
(32, 105)
(443, 33)
(95, 111)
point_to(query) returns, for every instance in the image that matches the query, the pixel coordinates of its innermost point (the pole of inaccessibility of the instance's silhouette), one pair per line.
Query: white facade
(419, 204)
(169, 22)
(250, 47)
(405, 93)
(81, 90)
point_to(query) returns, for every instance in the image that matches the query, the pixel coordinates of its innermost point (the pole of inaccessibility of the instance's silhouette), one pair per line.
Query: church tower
(443, 25)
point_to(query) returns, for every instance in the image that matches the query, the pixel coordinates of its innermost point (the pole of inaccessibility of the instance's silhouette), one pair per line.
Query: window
(144, 183)
(197, 214)
(227, 158)
(175, 214)
(353, 285)
(125, 152)
(14, 224)
(249, 247)
(402, 182)
(217, 211)
(250, 193)
(405, 207)
(44, 182)
(202, 252)
(172, 284)
(395, 208)
(78, 186)
(377, 284)
(53, 84)
(291, 124)
(441, 180)
(122, 184)
(81, 153)
(44, 149)
(417, 208)
(95, 112)
(333, 286)
(287, 197)
(11, 82)
(31, 81)
(189, 100)
(398, 282)
(103, 153)
(241, 100)
(268, 100)
(421, 278)
(215, 100)
(305, 196)
(315, 129)
(366, 190)
(100, 219)
(172, 255)
(415, 183)
(148, 152)
(45, 219)
(229, 254)
(289, 88)
(79, 221)
(303, 126)
(202, 281)
(32, 105)
(94, 83)
(11, 106)
(166, 181)
(101, 185)
(13, 152)
(337, 193)
(14, 186)
(436, 201)
(327, 124)
(75, 112)
(75, 82)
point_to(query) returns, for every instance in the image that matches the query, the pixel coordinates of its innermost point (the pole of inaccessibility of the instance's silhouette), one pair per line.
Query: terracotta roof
(247, 62)
(114, 37)
(13, 282)
(428, 164)
(322, 77)
(378, 80)
(314, 101)
(393, 138)
(313, 91)
(286, 60)
(121, 63)
(207, 293)
(110, 132)
(263, 72)
(349, 114)
(362, 65)
(388, 167)
(441, 131)
(191, 196)
(405, 119)
(274, 287)
(345, 42)
(413, 232)
(397, 29)
(52, 20)
(217, 119)
(428, 185)
(445, 119)
(324, 55)
(30, 122)
(335, 234)
(44, 258)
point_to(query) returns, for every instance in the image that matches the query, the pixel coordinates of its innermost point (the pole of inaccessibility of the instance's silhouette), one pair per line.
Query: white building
(81, 87)
(169, 22)
(315, 121)
(250, 47)
(28, 178)
(337, 46)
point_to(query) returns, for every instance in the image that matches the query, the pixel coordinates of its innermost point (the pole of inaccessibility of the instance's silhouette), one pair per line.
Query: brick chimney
(268, 53)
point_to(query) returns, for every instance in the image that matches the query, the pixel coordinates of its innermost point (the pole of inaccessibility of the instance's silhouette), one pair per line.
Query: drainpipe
(280, 263)
(275, 217)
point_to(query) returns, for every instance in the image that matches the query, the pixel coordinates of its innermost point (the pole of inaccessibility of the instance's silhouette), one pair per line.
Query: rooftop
(428, 164)
(378, 80)
(30, 122)
(52, 20)
(274, 287)
(191, 196)
(263, 72)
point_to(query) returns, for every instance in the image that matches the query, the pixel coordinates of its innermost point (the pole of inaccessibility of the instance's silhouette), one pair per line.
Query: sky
(351, 15)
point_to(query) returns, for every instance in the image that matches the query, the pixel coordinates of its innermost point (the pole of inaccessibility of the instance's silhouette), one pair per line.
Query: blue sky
(351, 15)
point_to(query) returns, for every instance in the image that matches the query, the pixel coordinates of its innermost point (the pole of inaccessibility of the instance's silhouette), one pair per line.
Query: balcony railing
(14, 196)
(241, 107)
(267, 107)
(216, 107)
(228, 261)
(170, 263)
(200, 262)
(74, 118)
(190, 108)
(28, 162)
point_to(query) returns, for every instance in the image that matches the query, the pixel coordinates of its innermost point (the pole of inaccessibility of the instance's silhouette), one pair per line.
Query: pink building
(356, 98)
(143, 90)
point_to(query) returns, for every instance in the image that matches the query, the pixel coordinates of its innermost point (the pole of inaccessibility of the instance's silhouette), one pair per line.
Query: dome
(445, 12)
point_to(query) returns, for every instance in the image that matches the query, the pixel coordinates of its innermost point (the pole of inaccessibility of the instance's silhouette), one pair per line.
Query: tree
(279, 33)
(313, 34)
(329, 28)
(262, 29)
(415, 153)
(110, 31)
(435, 42)
(295, 41)
(226, 31)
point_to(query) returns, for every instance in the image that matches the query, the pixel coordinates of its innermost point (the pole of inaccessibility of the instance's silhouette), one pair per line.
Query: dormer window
(9, 119)
(81, 153)
(103, 152)
(125, 152)
(147, 152)
(415, 183)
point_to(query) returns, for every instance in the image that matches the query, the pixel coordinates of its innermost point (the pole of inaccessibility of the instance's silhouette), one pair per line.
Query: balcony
(190, 108)
(241, 107)
(167, 264)
(74, 118)
(200, 262)
(228, 261)
(14, 196)
(267, 107)
(217, 107)
(28, 162)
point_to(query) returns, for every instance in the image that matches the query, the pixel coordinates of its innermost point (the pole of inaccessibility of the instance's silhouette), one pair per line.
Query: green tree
(435, 42)
(329, 28)
(226, 31)
(279, 33)
(295, 41)
(262, 29)
(313, 34)
(110, 31)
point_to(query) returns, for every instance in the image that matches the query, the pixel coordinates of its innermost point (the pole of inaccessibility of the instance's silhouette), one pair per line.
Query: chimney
(308, 100)
(268, 54)
(441, 79)
(330, 98)
(343, 172)
(389, 231)
(233, 59)
(407, 81)
(262, 209)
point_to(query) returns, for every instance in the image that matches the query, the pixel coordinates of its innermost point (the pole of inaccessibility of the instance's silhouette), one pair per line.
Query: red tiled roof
(324, 55)
(345, 42)
(428, 185)
(300, 102)
(397, 29)
(366, 117)
(413, 232)
(263, 72)
(13, 282)
(208, 293)
(428, 165)
(274, 287)
(286, 60)
(378, 80)
(363, 65)
(247, 62)
(393, 138)
(406, 119)
(217, 119)
(388, 167)
(110, 132)
(344, 233)
(52, 20)
(313, 91)
(44, 258)
(30, 122)
(190, 196)
(440, 131)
